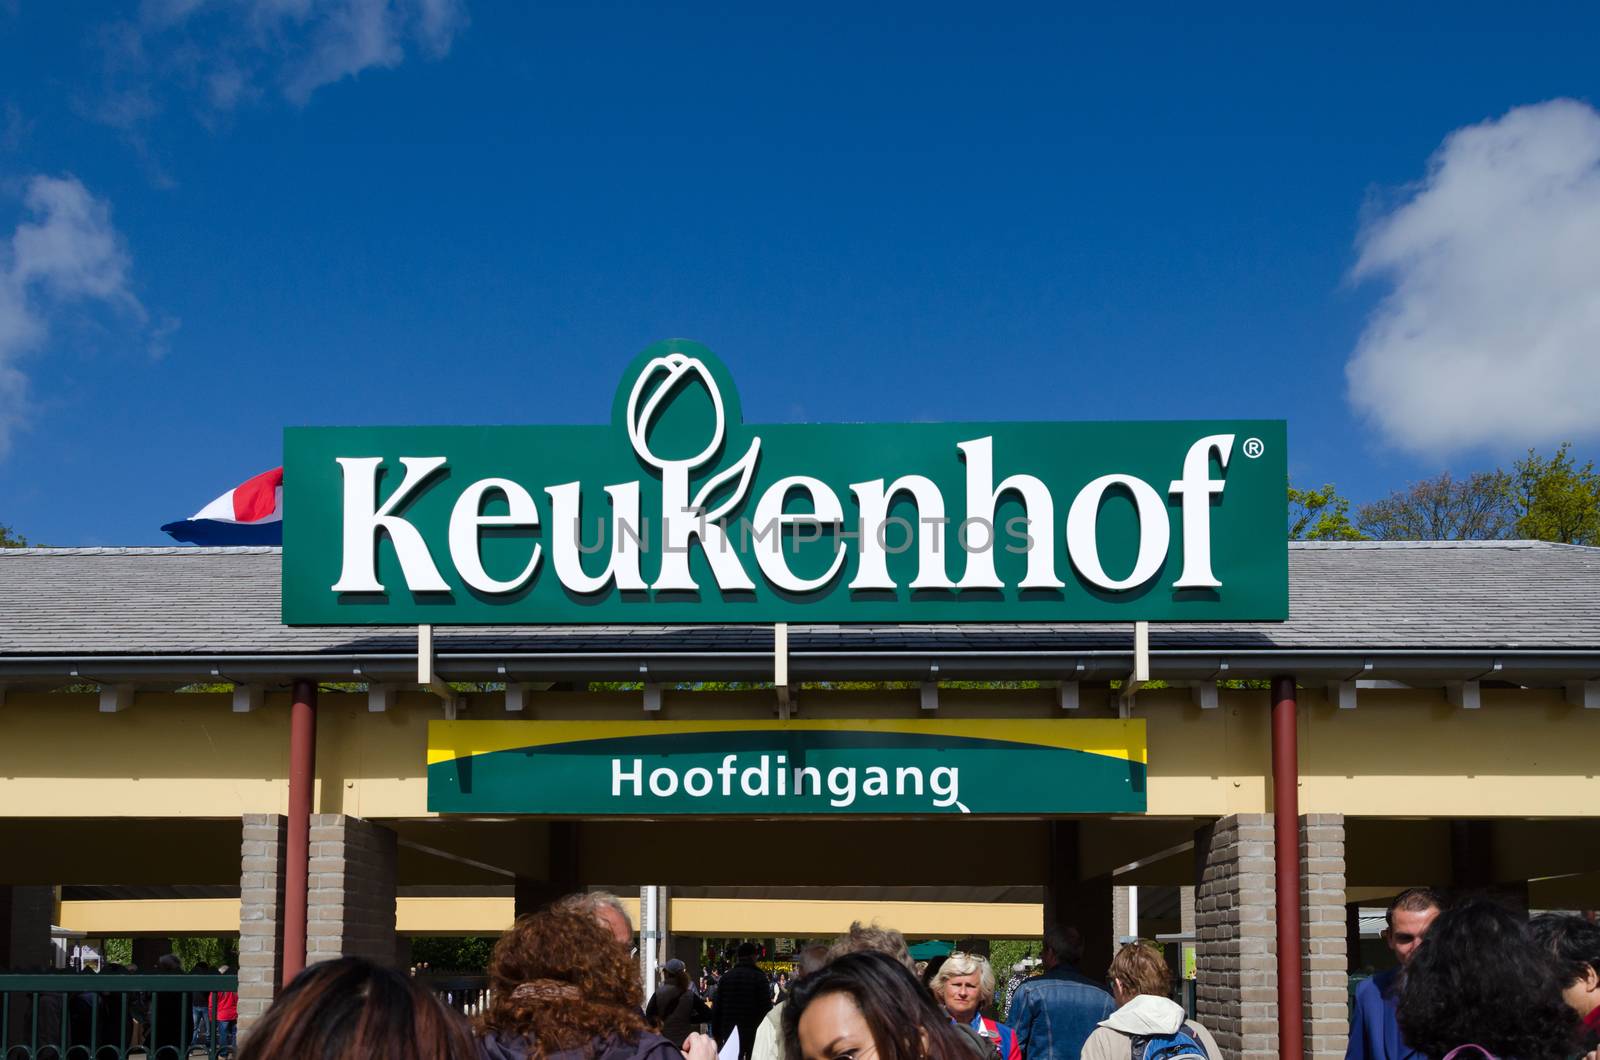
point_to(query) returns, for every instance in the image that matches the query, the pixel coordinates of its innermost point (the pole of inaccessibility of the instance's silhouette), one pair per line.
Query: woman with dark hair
(1481, 983)
(868, 1006)
(561, 985)
(1575, 944)
(351, 1009)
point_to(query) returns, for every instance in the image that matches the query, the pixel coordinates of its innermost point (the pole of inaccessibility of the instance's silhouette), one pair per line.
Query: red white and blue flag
(249, 514)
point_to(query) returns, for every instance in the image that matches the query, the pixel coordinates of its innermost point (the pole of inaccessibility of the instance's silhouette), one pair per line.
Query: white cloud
(1489, 336)
(65, 252)
(218, 55)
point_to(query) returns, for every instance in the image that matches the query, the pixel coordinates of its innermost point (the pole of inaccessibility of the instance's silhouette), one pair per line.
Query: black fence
(86, 1016)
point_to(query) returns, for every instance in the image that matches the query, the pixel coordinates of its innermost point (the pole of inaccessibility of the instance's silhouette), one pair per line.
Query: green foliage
(9, 538)
(1443, 508)
(1320, 515)
(1003, 953)
(215, 952)
(119, 951)
(469, 954)
(1554, 499)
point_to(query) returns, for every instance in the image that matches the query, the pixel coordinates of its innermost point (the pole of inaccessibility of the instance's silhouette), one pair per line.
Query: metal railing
(86, 1016)
(466, 994)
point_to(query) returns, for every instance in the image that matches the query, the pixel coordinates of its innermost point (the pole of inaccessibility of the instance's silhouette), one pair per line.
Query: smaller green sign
(872, 767)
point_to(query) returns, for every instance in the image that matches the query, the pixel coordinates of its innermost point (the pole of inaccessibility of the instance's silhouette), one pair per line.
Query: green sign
(678, 511)
(813, 767)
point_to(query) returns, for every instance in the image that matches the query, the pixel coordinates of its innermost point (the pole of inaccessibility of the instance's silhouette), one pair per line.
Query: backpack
(1183, 1042)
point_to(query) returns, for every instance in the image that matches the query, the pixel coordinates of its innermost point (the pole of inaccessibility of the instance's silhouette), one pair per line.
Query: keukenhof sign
(680, 512)
(877, 766)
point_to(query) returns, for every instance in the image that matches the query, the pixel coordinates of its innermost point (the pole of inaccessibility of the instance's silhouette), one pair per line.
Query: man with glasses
(1053, 1014)
(1374, 1030)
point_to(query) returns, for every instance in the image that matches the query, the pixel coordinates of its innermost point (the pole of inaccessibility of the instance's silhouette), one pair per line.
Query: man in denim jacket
(1054, 1013)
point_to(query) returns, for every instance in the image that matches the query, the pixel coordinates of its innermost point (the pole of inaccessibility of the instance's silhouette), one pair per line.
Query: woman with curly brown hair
(562, 988)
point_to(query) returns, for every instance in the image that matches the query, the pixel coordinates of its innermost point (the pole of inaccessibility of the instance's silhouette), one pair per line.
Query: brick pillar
(1323, 931)
(25, 916)
(350, 905)
(1236, 977)
(260, 914)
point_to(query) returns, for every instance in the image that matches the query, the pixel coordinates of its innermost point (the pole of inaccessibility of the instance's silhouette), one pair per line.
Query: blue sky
(218, 219)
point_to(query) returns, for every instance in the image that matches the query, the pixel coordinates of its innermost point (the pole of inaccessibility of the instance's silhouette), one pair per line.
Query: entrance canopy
(1520, 612)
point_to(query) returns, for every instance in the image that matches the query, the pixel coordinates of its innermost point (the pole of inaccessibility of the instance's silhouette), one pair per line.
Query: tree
(9, 538)
(1556, 500)
(1478, 508)
(1320, 515)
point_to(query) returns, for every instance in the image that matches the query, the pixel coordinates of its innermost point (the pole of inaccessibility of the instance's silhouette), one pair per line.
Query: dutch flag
(249, 514)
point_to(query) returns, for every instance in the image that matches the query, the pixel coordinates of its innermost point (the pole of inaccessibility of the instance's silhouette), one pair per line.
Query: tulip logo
(682, 519)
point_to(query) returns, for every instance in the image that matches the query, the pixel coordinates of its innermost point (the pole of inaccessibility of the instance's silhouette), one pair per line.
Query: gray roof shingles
(1356, 596)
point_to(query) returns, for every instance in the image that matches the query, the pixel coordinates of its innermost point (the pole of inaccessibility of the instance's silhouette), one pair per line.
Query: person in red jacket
(224, 1005)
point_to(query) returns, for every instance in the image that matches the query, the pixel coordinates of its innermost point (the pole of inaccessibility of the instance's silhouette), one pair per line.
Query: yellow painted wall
(689, 916)
(1400, 753)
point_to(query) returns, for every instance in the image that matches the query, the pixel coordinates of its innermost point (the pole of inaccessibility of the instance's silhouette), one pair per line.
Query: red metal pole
(1286, 838)
(302, 774)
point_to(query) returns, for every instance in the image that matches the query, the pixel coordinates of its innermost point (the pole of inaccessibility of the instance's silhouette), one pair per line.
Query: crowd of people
(1479, 979)
(1475, 979)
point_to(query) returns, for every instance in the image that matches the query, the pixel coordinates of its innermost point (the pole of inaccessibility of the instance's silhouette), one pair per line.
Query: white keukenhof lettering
(685, 524)
(771, 776)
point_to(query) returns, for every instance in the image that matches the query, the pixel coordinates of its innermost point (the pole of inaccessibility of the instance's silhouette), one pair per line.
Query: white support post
(1342, 694)
(428, 679)
(780, 667)
(1067, 695)
(652, 698)
(1584, 694)
(114, 699)
(247, 698)
(653, 929)
(1204, 694)
(1463, 694)
(1141, 670)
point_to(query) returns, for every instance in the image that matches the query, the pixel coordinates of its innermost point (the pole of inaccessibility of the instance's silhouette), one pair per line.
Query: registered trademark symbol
(1253, 447)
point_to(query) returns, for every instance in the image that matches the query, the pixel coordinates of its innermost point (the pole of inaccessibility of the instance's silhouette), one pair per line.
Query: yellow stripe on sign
(1122, 738)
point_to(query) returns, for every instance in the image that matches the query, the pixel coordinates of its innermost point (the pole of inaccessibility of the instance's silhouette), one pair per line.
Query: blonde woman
(964, 984)
(1147, 1025)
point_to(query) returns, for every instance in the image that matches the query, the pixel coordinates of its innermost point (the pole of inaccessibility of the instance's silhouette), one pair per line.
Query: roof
(1356, 609)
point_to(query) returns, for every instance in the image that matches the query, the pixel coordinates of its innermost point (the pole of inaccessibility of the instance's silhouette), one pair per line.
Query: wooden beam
(115, 698)
(1342, 694)
(1204, 694)
(1584, 694)
(380, 697)
(248, 698)
(1463, 694)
